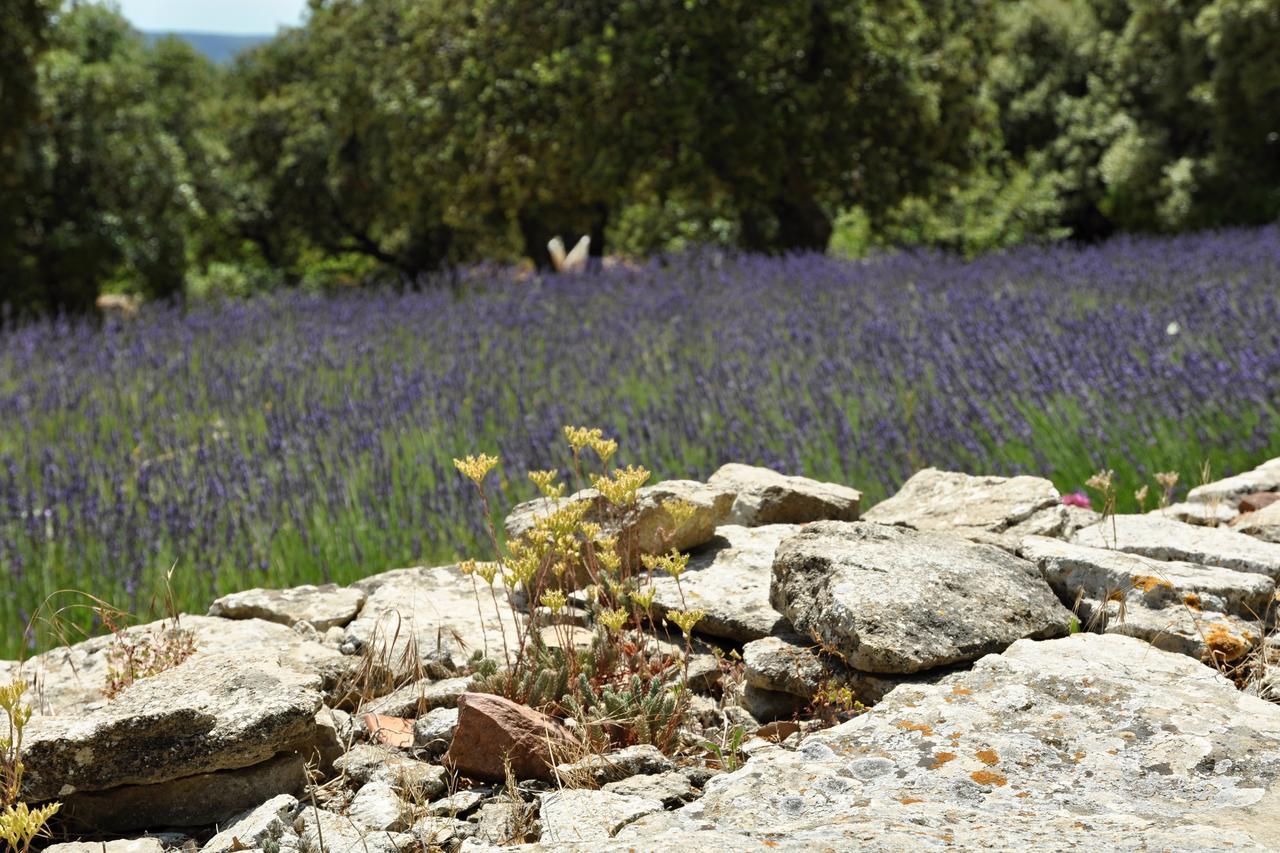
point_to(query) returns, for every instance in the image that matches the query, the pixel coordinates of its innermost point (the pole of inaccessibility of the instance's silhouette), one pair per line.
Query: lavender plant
(298, 439)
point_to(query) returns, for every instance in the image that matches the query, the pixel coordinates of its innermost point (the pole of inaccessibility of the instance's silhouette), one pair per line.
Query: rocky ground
(1034, 677)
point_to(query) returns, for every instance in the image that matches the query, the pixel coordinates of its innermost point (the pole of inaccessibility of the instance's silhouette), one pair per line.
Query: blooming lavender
(297, 438)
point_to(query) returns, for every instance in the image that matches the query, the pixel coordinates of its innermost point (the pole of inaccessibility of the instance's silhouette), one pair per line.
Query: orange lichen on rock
(988, 777)
(1146, 583)
(941, 758)
(961, 691)
(988, 756)
(922, 728)
(906, 801)
(1224, 646)
(1191, 600)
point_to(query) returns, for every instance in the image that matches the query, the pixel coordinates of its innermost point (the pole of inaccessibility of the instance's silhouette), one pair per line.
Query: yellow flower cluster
(485, 571)
(613, 619)
(680, 512)
(546, 483)
(476, 468)
(580, 437)
(673, 563)
(686, 619)
(620, 487)
(554, 600)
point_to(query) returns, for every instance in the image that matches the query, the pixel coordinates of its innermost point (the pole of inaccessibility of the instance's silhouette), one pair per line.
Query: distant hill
(219, 48)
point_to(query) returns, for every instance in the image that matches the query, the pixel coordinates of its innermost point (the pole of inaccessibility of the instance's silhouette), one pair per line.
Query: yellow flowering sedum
(476, 468)
(686, 619)
(620, 487)
(673, 563)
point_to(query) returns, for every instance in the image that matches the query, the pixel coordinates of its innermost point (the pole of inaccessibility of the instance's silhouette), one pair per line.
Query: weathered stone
(434, 732)
(119, 845)
(1229, 491)
(333, 734)
(1261, 524)
(764, 496)
(543, 617)
(269, 822)
(493, 731)
(324, 607)
(1204, 514)
(647, 525)
(500, 822)
(895, 600)
(1206, 635)
(784, 664)
(1102, 574)
(766, 705)
(198, 800)
(214, 712)
(641, 759)
(729, 579)
(418, 697)
(378, 807)
(570, 816)
(1167, 539)
(1089, 741)
(441, 833)
(457, 804)
(948, 500)
(323, 831)
(420, 614)
(71, 679)
(417, 781)
(671, 789)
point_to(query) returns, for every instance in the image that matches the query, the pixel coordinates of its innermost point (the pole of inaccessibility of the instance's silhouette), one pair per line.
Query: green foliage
(728, 750)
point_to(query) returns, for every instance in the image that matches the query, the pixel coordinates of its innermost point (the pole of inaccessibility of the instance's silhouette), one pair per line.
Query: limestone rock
(457, 804)
(1258, 500)
(191, 801)
(1206, 635)
(71, 679)
(1261, 524)
(434, 731)
(367, 763)
(418, 697)
(1204, 514)
(895, 600)
(767, 497)
(571, 815)
(441, 833)
(729, 579)
(948, 500)
(491, 729)
(785, 665)
(641, 759)
(324, 607)
(1088, 741)
(672, 789)
(648, 525)
(427, 614)
(1229, 491)
(766, 706)
(378, 807)
(1098, 573)
(120, 845)
(214, 712)
(269, 822)
(323, 831)
(499, 822)
(1167, 539)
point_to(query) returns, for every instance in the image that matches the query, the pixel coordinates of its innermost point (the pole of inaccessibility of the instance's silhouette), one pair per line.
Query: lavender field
(305, 439)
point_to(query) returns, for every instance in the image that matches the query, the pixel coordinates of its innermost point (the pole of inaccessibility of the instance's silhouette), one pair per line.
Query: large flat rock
(214, 712)
(325, 607)
(1086, 742)
(729, 578)
(1078, 570)
(1168, 539)
(1229, 491)
(425, 614)
(764, 496)
(968, 504)
(896, 600)
(71, 679)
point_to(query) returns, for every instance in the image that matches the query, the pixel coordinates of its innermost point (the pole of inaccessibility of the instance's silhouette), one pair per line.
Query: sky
(247, 17)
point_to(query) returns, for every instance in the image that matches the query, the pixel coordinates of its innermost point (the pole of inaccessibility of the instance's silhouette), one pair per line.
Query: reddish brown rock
(491, 729)
(1258, 500)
